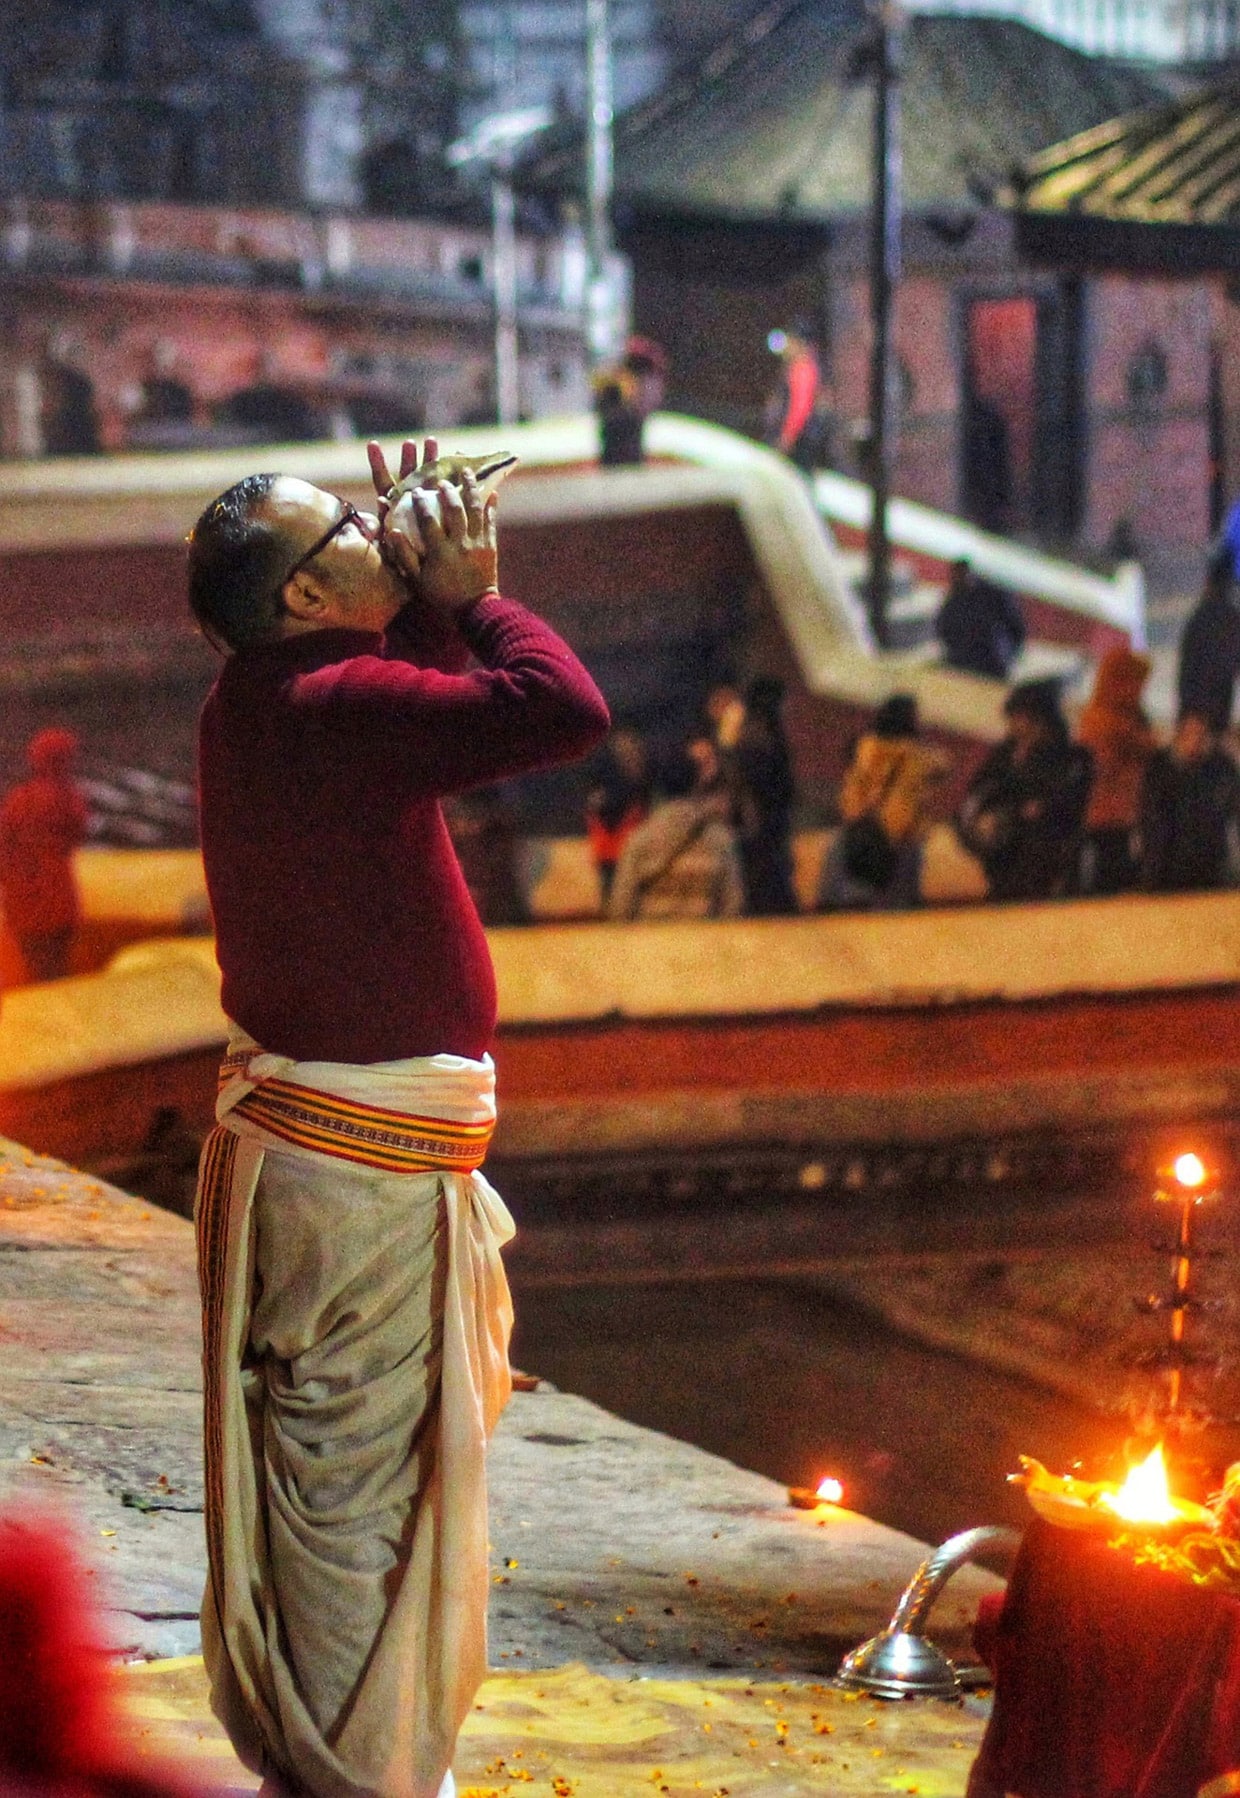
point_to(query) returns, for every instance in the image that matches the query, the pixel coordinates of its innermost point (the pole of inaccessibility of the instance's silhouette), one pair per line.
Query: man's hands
(441, 538)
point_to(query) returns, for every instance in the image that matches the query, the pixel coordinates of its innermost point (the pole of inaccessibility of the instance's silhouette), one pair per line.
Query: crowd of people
(1052, 810)
(705, 830)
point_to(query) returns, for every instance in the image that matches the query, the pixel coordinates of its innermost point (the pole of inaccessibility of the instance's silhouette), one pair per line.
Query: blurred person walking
(874, 862)
(484, 837)
(1190, 812)
(682, 862)
(979, 625)
(796, 419)
(42, 822)
(1209, 658)
(1024, 808)
(1121, 740)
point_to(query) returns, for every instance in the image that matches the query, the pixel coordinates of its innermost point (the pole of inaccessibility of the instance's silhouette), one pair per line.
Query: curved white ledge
(95, 502)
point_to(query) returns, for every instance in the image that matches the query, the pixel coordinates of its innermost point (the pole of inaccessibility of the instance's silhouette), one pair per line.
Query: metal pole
(600, 111)
(884, 276)
(504, 255)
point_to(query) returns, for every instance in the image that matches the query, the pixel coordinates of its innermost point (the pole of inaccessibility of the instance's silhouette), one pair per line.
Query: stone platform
(676, 1582)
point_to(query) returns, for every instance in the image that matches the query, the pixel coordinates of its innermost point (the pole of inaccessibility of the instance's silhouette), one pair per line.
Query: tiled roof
(1171, 164)
(775, 122)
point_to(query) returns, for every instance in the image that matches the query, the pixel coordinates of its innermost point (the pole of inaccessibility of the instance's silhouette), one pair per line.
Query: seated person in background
(1023, 812)
(682, 862)
(1190, 810)
(1120, 738)
(617, 801)
(874, 862)
(979, 626)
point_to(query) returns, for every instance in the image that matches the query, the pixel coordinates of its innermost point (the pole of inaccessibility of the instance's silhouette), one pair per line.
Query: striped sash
(396, 1142)
(329, 1109)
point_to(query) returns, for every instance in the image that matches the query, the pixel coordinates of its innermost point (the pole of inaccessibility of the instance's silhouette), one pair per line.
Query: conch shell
(489, 471)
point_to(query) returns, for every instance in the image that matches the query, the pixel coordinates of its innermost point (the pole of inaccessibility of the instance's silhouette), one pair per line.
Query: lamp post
(602, 332)
(887, 49)
(493, 145)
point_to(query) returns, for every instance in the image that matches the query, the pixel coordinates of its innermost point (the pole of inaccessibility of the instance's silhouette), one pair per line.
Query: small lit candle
(828, 1491)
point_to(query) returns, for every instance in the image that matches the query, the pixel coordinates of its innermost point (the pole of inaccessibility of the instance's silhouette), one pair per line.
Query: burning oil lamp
(828, 1491)
(1143, 1501)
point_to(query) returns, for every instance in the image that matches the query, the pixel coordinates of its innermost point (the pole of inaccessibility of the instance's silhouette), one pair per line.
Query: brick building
(191, 242)
(742, 197)
(152, 325)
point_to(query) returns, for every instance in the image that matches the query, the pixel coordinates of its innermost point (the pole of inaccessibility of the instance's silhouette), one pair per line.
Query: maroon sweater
(344, 927)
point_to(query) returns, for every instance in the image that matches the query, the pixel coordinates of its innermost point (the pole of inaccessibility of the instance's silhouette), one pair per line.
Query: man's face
(357, 587)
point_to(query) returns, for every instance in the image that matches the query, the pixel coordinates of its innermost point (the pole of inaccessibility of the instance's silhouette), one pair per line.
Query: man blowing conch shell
(355, 1310)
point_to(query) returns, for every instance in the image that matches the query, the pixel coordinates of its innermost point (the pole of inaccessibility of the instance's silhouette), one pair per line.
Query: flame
(1145, 1496)
(830, 1491)
(1189, 1170)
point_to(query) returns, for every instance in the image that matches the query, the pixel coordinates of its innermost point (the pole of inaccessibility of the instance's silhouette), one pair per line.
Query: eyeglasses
(350, 515)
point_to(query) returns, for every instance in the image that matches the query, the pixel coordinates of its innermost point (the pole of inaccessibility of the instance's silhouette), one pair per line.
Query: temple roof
(774, 123)
(1159, 185)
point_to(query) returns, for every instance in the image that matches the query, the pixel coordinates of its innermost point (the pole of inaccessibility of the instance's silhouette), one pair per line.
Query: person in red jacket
(355, 1310)
(796, 420)
(42, 821)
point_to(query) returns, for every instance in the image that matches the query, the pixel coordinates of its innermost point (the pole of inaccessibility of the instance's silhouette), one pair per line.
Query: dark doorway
(1020, 427)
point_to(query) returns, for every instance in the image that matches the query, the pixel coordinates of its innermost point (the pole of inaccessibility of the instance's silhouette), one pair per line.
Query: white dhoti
(356, 1321)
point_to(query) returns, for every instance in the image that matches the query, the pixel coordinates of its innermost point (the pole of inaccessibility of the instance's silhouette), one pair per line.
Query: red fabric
(802, 377)
(1111, 1681)
(42, 821)
(607, 841)
(344, 927)
(63, 1733)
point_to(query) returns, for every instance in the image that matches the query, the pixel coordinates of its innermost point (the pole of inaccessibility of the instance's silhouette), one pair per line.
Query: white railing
(1117, 600)
(84, 504)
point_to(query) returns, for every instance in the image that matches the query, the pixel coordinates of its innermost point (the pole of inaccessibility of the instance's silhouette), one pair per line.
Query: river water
(779, 1377)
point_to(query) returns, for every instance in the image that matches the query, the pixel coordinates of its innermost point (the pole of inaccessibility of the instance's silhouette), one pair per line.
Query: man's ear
(307, 602)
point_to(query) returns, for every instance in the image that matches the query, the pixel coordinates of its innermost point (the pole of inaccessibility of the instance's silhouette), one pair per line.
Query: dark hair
(896, 716)
(235, 562)
(678, 774)
(1038, 699)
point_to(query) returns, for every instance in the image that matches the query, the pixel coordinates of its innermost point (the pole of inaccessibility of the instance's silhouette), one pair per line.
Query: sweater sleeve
(529, 704)
(427, 637)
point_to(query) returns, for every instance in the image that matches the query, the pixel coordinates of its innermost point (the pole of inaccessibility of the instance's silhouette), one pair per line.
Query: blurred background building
(231, 221)
(1165, 31)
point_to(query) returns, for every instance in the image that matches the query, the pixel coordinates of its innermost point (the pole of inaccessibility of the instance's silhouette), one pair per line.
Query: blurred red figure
(61, 1730)
(42, 821)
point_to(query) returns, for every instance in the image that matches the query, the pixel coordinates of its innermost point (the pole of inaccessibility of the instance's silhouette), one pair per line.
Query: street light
(885, 207)
(493, 144)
